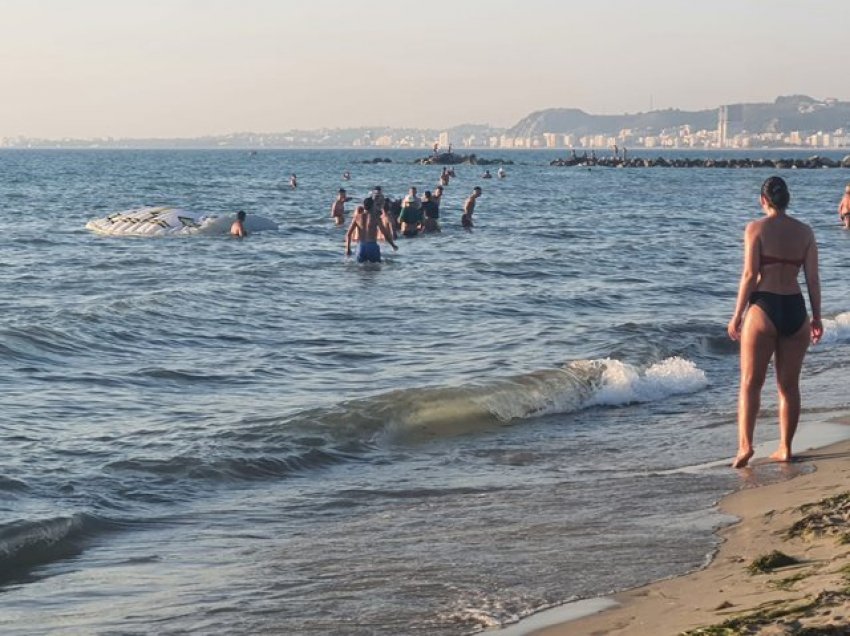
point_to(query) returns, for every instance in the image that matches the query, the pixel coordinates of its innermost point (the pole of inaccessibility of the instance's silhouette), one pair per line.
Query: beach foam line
(809, 436)
(556, 615)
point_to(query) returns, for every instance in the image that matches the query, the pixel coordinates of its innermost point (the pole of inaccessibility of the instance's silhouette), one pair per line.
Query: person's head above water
(477, 190)
(240, 215)
(775, 193)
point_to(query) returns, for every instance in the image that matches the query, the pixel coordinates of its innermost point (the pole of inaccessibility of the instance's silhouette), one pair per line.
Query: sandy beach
(804, 522)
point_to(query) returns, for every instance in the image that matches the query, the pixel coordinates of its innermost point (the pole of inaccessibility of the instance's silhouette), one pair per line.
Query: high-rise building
(722, 126)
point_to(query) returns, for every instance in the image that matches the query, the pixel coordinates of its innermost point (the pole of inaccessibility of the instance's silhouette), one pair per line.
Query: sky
(185, 68)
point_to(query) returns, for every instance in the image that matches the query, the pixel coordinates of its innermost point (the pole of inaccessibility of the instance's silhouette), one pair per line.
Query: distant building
(444, 139)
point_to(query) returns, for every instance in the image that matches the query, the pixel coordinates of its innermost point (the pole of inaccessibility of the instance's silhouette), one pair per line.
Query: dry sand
(806, 518)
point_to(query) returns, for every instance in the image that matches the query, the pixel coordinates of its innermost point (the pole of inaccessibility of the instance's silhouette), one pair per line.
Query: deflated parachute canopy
(166, 221)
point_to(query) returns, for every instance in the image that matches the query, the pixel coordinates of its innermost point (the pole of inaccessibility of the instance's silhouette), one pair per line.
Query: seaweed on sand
(770, 562)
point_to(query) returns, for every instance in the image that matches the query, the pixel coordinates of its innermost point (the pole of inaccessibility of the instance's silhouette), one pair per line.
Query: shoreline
(724, 597)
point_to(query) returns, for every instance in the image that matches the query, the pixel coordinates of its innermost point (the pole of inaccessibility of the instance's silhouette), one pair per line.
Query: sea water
(206, 435)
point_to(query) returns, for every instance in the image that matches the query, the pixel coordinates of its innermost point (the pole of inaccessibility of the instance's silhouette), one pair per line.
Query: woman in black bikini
(770, 316)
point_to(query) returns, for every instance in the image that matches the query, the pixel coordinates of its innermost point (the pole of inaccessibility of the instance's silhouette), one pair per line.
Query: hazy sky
(84, 68)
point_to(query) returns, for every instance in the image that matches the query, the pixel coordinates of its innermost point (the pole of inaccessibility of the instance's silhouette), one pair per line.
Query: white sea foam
(837, 330)
(624, 384)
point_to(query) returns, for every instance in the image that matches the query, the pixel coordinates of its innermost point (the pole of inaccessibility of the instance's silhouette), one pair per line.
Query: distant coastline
(791, 122)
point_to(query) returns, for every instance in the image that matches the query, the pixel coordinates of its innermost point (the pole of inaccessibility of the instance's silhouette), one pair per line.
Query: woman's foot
(742, 458)
(782, 455)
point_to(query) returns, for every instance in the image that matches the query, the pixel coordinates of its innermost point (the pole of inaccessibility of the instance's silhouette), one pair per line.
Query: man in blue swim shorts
(366, 224)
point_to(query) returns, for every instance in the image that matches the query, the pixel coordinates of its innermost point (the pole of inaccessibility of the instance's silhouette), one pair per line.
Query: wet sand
(806, 518)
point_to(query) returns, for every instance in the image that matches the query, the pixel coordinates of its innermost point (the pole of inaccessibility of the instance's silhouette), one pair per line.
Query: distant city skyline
(187, 68)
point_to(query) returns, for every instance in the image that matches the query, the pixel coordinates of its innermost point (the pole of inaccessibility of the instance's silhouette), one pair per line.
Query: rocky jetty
(707, 162)
(452, 159)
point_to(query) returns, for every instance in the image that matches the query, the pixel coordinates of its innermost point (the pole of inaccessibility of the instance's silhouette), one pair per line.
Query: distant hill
(795, 112)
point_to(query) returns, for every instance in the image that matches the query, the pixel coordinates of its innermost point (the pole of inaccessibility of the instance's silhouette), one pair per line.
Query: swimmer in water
(437, 197)
(293, 181)
(844, 208)
(430, 214)
(469, 208)
(486, 175)
(237, 229)
(502, 174)
(346, 176)
(367, 224)
(411, 214)
(338, 207)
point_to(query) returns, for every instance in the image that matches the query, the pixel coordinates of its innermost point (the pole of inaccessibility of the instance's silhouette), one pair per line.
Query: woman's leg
(758, 340)
(789, 361)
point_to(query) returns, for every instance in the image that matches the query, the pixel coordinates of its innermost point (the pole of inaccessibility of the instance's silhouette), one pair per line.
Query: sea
(202, 435)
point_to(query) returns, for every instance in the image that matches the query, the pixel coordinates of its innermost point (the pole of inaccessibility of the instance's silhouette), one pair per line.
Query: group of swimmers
(500, 172)
(383, 218)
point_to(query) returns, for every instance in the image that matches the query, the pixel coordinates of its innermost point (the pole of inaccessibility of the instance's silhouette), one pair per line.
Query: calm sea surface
(202, 435)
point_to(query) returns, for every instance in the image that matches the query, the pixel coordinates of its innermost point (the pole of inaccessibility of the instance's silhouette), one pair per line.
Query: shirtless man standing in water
(469, 208)
(367, 223)
(338, 207)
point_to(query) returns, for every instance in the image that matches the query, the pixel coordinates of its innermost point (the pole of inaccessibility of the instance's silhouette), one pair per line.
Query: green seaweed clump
(787, 583)
(769, 562)
(826, 517)
(770, 613)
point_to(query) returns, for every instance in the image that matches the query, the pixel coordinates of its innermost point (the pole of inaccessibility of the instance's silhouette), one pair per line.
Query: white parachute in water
(166, 221)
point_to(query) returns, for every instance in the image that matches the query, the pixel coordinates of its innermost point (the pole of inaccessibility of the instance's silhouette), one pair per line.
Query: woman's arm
(810, 266)
(749, 279)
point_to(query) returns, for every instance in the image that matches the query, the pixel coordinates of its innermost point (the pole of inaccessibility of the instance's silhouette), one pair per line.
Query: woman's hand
(817, 330)
(734, 327)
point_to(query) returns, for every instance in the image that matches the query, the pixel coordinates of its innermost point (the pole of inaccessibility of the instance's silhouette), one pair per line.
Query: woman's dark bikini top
(765, 259)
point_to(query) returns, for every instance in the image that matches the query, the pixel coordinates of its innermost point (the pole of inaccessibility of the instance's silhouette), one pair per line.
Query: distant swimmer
(388, 218)
(237, 229)
(844, 207)
(486, 175)
(444, 177)
(338, 207)
(346, 176)
(502, 174)
(378, 197)
(437, 197)
(411, 214)
(469, 208)
(367, 224)
(430, 214)
(452, 173)
(293, 181)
